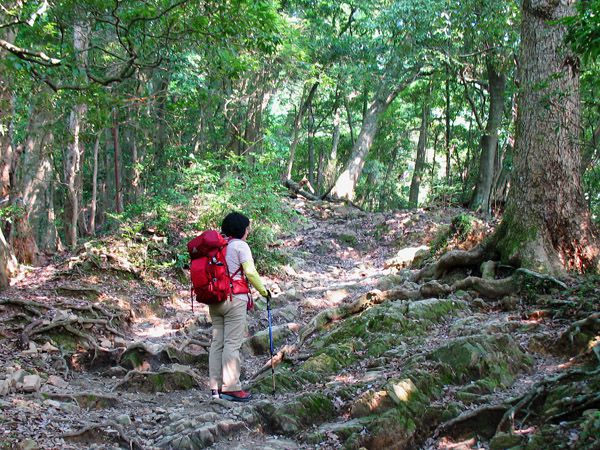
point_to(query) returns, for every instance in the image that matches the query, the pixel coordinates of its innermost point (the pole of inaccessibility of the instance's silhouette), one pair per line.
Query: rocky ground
(97, 352)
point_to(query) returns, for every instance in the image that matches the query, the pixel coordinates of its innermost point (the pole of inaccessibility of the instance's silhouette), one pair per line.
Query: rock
(53, 403)
(259, 343)
(57, 381)
(32, 383)
(503, 441)
(123, 419)
(5, 387)
(32, 349)
(120, 342)
(28, 444)
(406, 257)
(106, 343)
(18, 376)
(49, 348)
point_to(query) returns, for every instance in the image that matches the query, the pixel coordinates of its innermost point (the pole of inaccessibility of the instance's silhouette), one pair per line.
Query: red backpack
(211, 281)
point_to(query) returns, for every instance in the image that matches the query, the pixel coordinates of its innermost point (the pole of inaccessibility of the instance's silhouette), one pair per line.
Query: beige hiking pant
(229, 330)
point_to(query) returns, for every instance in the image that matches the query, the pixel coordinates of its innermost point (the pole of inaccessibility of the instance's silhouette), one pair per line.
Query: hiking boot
(236, 396)
(215, 394)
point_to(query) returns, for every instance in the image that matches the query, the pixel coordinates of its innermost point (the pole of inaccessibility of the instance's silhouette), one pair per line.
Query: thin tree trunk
(73, 156)
(350, 121)
(448, 136)
(117, 168)
(94, 201)
(413, 197)
(335, 142)
(297, 123)
(311, 146)
(489, 140)
(547, 224)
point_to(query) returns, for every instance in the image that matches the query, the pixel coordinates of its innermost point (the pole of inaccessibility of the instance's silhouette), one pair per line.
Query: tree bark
(94, 200)
(335, 142)
(74, 151)
(344, 187)
(297, 123)
(489, 140)
(448, 130)
(311, 146)
(117, 165)
(413, 197)
(547, 225)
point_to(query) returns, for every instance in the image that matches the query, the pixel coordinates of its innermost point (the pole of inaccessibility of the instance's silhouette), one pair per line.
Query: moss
(497, 357)
(512, 236)
(296, 414)
(65, 341)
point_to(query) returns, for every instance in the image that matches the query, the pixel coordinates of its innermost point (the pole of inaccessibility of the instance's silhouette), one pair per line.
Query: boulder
(32, 383)
(259, 343)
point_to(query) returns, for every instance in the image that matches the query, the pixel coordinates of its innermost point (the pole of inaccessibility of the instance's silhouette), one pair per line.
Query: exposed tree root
(28, 305)
(526, 405)
(522, 279)
(99, 433)
(375, 297)
(451, 260)
(468, 421)
(581, 334)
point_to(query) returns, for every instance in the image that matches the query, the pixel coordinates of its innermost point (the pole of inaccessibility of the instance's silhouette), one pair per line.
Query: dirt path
(337, 254)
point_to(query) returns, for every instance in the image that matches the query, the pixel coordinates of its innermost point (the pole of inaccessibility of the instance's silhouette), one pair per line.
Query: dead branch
(278, 358)
(296, 188)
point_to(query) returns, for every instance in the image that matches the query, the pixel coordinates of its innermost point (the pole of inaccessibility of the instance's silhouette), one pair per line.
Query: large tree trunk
(296, 131)
(489, 140)
(413, 196)
(547, 225)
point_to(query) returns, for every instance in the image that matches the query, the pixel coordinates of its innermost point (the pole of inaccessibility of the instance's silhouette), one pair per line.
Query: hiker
(229, 317)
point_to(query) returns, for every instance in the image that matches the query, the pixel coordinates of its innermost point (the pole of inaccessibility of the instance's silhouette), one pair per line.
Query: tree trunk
(74, 153)
(489, 140)
(448, 148)
(117, 165)
(413, 197)
(311, 146)
(6, 117)
(94, 200)
(350, 121)
(346, 182)
(335, 142)
(297, 123)
(547, 224)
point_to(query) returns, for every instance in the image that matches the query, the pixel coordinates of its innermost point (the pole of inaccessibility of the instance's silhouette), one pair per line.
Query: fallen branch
(296, 188)
(278, 358)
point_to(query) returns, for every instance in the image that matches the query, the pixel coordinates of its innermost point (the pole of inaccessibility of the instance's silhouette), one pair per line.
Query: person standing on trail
(229, 317)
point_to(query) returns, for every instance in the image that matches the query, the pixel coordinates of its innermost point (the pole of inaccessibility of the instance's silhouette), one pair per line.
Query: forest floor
(97, 353)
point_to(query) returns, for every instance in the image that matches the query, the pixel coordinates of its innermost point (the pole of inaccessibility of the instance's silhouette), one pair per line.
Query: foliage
(584, 29)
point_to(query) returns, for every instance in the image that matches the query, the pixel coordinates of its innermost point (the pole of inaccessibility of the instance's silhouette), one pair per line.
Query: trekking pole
(271, 339)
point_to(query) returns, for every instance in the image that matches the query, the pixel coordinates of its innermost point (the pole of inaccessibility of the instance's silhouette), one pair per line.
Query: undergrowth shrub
(204, 193)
